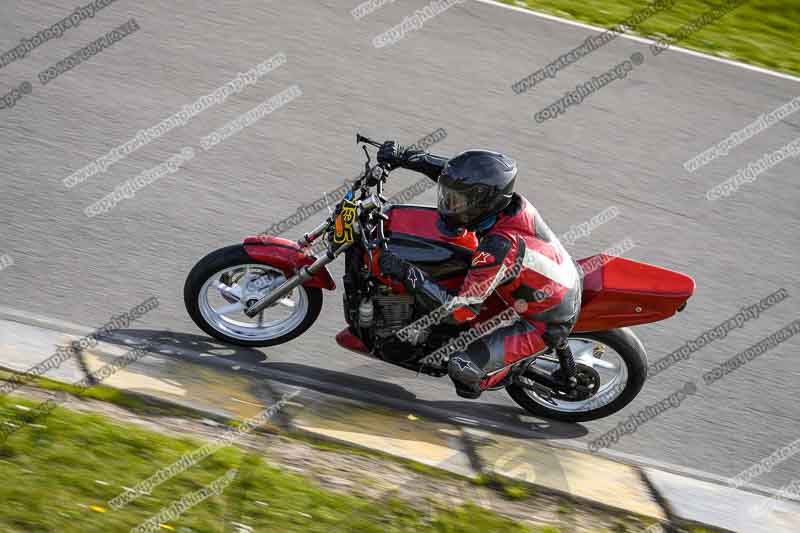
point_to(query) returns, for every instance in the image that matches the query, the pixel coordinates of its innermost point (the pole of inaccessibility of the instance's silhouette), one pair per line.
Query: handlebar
(374, 175)
(361, 139)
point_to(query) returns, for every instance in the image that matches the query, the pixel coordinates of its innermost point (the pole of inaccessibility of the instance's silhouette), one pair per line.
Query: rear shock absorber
(567, 363)
(556, 337)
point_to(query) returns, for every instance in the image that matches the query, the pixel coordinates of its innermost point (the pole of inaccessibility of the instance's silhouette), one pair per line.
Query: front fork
(253, 308)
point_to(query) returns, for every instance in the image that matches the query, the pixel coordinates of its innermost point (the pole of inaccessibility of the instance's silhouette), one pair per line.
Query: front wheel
(223, 282)
(616, 356)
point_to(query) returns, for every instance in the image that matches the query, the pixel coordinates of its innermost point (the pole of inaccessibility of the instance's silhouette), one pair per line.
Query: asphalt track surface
(623, 146)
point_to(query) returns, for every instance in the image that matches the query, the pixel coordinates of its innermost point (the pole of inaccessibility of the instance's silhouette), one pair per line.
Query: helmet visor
(460, 206)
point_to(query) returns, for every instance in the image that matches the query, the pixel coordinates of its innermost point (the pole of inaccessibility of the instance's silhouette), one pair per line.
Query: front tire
(611, 397)
(227, 276)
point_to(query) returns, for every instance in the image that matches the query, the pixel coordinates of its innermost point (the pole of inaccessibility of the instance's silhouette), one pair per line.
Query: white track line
(694, 473)
(639, 39)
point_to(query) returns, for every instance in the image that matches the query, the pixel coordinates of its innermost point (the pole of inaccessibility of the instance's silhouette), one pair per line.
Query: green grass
(760, 32)
(510, 489)
(132, 402)
(516, 491)
(54, 473)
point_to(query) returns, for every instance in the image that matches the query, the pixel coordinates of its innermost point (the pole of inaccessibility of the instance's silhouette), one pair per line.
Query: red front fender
(287, 256)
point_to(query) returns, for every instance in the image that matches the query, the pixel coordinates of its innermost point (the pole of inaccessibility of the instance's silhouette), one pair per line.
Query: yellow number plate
(344, 223)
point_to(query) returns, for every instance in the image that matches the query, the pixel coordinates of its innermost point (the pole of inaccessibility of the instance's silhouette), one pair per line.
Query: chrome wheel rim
(605, 360)
(222, 302)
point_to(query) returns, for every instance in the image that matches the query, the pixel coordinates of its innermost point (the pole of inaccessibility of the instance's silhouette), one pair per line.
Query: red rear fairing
(619, 292)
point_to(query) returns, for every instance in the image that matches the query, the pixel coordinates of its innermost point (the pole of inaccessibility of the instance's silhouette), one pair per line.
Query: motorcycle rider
(518, 257)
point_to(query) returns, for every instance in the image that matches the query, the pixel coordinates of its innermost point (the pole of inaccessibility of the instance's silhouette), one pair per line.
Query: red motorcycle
(268, 291)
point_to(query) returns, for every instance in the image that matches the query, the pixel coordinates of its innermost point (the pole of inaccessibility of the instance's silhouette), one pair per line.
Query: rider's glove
(394, 266)
(391, 154)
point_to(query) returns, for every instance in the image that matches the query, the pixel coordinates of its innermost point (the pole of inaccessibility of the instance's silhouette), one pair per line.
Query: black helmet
(473, 186)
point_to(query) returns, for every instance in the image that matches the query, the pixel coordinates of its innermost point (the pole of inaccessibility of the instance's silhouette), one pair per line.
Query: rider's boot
(466, 376)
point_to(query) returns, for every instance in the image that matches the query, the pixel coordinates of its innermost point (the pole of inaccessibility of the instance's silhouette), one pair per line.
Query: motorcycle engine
(393, 312)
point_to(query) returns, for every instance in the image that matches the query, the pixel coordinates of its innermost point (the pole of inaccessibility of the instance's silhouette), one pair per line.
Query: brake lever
(361, 139)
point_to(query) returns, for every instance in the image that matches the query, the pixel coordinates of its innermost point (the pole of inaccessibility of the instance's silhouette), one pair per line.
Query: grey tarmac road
(623, 146)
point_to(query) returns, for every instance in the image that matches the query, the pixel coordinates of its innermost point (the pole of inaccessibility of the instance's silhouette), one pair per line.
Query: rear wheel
(616, 356)
(222, 283)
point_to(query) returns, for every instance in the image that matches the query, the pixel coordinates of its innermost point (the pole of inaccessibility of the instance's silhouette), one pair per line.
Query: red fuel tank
(423, 221)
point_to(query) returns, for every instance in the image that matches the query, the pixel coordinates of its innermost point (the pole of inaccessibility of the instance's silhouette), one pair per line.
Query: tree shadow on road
(491, 416)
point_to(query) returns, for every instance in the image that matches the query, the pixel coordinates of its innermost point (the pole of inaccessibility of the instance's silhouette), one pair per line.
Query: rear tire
(226, 258)
(625, 343)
